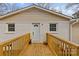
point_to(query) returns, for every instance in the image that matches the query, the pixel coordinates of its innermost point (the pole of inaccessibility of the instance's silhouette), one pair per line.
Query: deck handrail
(14, 46)
(61, 46)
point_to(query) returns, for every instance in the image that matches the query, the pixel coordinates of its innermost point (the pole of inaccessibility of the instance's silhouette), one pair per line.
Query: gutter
(74, 22)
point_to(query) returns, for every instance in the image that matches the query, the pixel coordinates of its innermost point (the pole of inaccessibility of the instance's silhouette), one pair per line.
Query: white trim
(74, 21)
(56, 28)
(9, 32)
(7, 29)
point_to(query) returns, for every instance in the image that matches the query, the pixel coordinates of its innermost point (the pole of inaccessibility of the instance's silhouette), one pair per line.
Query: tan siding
(24, 20)
(75, 33)
(36, 14)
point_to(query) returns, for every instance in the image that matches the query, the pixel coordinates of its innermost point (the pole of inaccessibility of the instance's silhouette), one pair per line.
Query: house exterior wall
(23, 23)
(75, 33)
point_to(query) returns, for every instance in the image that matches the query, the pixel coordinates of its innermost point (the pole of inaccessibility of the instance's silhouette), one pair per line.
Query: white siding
(23, 22)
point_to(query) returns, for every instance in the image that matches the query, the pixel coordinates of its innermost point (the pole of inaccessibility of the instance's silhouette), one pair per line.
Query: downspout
(70, 31)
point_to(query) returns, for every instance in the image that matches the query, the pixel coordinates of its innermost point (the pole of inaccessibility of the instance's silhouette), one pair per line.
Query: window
(53, 27)
(11, 27)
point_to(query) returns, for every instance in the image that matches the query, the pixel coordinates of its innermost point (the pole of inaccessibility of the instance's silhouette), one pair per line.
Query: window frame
(55, 27)
(10, 27)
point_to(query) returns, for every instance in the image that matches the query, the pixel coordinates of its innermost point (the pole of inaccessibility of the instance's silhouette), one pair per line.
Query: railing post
(47, 37)
(1, 50)
(77, 51)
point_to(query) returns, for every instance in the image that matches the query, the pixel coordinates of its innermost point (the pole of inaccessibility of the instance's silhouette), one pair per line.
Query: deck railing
(14, 46)
(62, 47)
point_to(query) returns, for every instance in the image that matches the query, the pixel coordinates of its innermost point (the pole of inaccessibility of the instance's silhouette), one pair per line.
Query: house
(39, 25)
(37, 21)
(75, 31)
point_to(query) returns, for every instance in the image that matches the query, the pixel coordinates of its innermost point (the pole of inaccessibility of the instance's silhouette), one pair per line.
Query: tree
(7, 7)
(3, 8)
(44, 5)
(74, 7)
(69, 5)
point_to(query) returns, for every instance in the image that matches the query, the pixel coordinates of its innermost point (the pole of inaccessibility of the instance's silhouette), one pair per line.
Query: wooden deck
(56, 46)
(36, 50)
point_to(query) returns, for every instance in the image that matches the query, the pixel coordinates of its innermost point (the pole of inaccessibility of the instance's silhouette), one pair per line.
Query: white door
(35, 33)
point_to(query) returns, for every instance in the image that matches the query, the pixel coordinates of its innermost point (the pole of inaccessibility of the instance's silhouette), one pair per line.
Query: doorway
(35, 33)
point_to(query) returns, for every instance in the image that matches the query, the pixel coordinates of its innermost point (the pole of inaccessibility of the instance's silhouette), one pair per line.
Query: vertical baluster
(69, 49)
(14, 48)
(1, 50)
(61, 49)
(63, 46)
(25, 39)
(18, 45)
(22, 41)
(57, 42)
(66, 49)
(10, 49)
(17, 50)
(4, 53)
(7, 48)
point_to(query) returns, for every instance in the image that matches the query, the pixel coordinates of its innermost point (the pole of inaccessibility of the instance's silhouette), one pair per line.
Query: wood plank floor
(36, 50)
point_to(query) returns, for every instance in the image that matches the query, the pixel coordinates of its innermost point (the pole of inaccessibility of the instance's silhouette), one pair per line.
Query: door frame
(33, 31)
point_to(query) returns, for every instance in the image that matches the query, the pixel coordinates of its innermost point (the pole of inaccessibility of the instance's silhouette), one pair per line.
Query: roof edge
(20, 10)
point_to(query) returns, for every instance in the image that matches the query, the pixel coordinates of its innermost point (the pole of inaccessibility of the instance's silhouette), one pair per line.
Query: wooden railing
(62, 47)
(14, 46)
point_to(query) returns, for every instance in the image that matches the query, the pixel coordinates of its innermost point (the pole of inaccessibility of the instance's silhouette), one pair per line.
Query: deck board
(36, 50)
